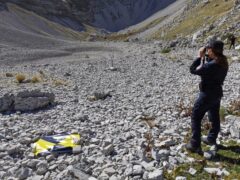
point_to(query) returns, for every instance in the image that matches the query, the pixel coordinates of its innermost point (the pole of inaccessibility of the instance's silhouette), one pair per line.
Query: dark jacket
(212, 77)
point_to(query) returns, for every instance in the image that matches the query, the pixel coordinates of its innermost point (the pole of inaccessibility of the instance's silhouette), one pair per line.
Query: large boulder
(27, 100)
(6, 102)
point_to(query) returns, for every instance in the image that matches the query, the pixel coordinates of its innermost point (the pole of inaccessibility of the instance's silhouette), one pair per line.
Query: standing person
(232, 41)
(212, 73)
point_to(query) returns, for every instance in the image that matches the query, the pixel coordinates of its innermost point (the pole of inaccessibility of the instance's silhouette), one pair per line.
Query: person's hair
(221, 59)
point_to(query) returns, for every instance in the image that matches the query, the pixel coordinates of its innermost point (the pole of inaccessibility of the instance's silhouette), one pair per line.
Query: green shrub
(222, 113)
(9, 75)
(165, 50)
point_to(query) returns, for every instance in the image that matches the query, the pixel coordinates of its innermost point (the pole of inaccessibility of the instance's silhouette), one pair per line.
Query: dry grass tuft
(149, 146)
(20, 78)
(150, 121)
(36, 79)
(59, 82)
(234, 107)
(185, 110)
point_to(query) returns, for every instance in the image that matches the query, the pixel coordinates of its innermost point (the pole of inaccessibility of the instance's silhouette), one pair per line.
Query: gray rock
(235, 128)
(2, 174)
(128, 170)
(92, 178)
(180, 178)
(33, 163)
(155, 154)
(108, 149)
(109, 171)
(137, 170)
(114, 177)
(103, 176)
(32, 100)
(192, 171)
(23, 173)
(6, 102)
(156, 175)
(225, 172)
(211, 170)
(172, 160)
(163, 153)
(27, 100)
(77, 150)
(81, 117)
(25, 140)
(79, 174)
(53, 167)
(148, 166)
(14, 149)
(167, 143)
(42, 168)
(3, 154)
(37, 177)
(50, 157)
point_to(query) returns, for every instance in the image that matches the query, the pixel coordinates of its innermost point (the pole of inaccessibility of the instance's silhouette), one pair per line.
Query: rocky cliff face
(112, 15)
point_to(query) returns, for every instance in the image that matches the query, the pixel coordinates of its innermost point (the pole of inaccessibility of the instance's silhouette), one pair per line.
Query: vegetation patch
(165, 50)
(20, 78)
(222, 113)
(234, 108)
(36, 79)
(227, 157)
(199, 16)
(184, 109)
(59, 82)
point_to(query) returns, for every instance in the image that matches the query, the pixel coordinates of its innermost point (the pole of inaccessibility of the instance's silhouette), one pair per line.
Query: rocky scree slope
(144, 85)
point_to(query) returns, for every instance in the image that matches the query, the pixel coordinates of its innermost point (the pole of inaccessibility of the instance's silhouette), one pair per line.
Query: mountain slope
(110, 15)
(215, 17)
(17, 25)
(185, 22)
(146, 20)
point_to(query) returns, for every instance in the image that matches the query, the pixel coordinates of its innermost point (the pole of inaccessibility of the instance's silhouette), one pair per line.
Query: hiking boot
(207, 141)
(193, 149)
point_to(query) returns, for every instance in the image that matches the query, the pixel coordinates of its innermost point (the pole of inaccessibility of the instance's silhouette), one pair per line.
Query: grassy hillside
(196, 18)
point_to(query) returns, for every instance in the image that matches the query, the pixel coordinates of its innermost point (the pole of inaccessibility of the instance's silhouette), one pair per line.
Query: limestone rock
(32, 100)
(26, 100)
(235, 128)
(155, 175)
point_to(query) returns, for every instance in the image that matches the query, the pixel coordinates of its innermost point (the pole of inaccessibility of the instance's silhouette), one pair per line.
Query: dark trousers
(204, 104)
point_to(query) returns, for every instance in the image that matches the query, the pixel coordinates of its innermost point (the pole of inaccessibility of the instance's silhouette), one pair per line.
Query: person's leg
(199, 110)
(214, 118)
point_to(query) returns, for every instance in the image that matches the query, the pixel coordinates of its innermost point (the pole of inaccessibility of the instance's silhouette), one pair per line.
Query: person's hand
(201, 52)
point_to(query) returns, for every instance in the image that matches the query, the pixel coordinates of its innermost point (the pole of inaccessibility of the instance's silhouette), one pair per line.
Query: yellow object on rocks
(57, 144)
